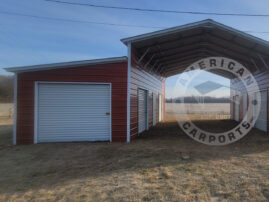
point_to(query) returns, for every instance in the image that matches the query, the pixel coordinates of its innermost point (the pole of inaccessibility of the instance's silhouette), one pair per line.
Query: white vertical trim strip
(110, 111)
(128, 90)
(35, 112)
(147, 97)
(15, 109)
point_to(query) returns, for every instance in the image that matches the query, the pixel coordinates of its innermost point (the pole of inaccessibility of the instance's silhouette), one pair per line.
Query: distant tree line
(197, 99)
(6, 89)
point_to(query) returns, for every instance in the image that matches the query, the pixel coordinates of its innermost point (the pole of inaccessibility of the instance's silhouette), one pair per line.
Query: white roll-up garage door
(142, 110)
(68, 112)
(261, 122)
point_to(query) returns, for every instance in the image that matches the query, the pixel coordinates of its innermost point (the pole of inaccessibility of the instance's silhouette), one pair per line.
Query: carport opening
(169, 52)
(205, 100)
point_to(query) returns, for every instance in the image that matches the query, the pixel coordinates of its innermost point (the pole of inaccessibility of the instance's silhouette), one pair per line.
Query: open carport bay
(150, 168)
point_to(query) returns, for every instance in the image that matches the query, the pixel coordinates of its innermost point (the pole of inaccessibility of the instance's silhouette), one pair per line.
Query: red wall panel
(115, 73)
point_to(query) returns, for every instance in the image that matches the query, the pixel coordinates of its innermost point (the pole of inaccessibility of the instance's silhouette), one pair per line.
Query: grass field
(151, 168)
(6, 110)
(206, 111)
(198, 108)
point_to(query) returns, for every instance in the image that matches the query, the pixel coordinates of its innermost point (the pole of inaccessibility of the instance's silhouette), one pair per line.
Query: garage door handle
(108, 113)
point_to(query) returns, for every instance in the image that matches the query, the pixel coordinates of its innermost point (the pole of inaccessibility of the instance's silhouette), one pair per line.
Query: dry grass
(148, 169)
(198, 108)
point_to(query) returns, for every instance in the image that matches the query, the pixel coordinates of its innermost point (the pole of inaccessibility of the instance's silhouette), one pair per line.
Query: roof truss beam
(233, 44)
(172, 42)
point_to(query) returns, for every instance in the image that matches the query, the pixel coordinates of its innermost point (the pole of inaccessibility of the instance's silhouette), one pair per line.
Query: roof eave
(164, 31)
(66, 64)
(206, 22)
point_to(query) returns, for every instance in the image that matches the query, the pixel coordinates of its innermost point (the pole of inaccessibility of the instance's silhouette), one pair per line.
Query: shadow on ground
(44, 166)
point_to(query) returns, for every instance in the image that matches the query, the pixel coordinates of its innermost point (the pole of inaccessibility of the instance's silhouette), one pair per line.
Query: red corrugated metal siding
(116, 74)
(141, 78)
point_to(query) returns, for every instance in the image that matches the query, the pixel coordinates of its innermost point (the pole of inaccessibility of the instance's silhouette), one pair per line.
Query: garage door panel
(66, 101)
(54, 130)
(73, 112)
(54, 114)
(51, 121)
(71, 139)
(79, 133)
(69, 103)
(76, 126)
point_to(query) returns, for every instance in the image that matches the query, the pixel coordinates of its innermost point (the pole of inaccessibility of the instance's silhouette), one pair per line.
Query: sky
(173, 89)
(30, 41)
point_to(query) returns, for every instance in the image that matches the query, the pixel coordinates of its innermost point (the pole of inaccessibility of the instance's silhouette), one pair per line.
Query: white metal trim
(110, 109)
(206, 22)
(15, 109)
(129, 66)
(36, 112)
(60, 82)
(66, 64)
(163, 32)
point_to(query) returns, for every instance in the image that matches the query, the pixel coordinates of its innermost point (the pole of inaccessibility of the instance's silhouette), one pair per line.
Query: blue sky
(29, 41)
(173, 90)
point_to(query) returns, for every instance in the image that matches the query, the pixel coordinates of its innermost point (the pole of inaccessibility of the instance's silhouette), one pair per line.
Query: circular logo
(245, 84)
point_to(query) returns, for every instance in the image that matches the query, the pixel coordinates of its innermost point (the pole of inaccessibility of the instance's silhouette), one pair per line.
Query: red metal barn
(81, 101)
(115, 99)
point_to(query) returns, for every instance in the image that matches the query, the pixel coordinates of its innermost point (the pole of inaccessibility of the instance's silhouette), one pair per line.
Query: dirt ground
(151, 168)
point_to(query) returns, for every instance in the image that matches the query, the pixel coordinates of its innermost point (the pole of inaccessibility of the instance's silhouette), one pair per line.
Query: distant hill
(196, 99)
(6, 89)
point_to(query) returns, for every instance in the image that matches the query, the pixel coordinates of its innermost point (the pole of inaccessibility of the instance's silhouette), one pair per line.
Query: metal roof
(66, 64)
(170, 51)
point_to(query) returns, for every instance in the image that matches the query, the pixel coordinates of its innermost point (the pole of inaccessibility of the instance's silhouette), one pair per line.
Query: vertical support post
(15, 109)
(128, 90)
